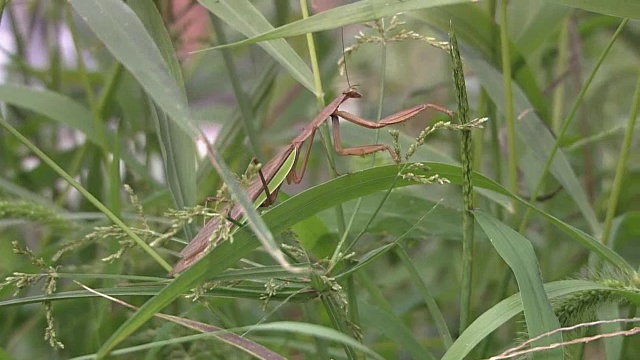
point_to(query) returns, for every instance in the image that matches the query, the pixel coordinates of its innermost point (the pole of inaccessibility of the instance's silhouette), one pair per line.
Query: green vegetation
(496, 228)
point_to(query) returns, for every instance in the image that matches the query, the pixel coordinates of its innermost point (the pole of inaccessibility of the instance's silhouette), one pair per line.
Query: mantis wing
(274, 182)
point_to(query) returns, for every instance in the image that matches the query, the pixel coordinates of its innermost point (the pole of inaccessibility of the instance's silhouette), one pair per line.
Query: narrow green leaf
(122, 32)
(245, 18)
(620, 8)
(518, 253)
(478, 30)
(178, 157)
(312, 330)
(53, 105)
(355, 13)
(308, 203)
(125, 36)
(613, 346)
(177, 147)
(543, 24)
(503, 311)
(535, 135)
(67, 112)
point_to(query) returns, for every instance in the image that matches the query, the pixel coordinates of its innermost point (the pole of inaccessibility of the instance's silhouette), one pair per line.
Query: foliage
(498, 227)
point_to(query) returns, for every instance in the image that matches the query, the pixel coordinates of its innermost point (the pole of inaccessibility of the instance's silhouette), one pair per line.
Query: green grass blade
(86, 194)
(503, 311)
(622, 165)
(177, 147)
(245, 18)
(355, 13)
(544, 23)
(316, 331)
(308, 203)
(535, 135)
(518, 253)
(619, 8)
(475, 28)
(178, 157)
(125, 36)
(55, 106)
(122, 32)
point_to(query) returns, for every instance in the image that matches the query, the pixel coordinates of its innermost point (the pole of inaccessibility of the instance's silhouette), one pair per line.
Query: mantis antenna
(346, 71)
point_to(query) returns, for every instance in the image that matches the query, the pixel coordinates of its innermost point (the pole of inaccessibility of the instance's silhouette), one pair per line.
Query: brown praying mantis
(258, 190)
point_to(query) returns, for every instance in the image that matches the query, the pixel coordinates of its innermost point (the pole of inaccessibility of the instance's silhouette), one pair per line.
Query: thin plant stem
(484, 102)
(329, 306)
(492, 114)
(383, 69)
(620, 168)
(508, 112)
(333, 310)
(569, 119)
(352, 294)
(324, 131)
(94, 201)
(561, 67)
(313, 56)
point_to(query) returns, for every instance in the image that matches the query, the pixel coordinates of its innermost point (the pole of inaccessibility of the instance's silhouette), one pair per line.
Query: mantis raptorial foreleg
(271, 195)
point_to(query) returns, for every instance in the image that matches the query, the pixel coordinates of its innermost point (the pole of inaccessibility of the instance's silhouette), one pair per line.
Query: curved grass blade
(475, 28)
(122, 32)
(86, 194)
(176, 146)
(503, 311)
(316, 331)
(541, 144)
(125, 36)
(355, 13)
(619, 8)
(237, 341)
(518, 253)
(245, 18)
(55, 106)
(283, 326)
(310, 202)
